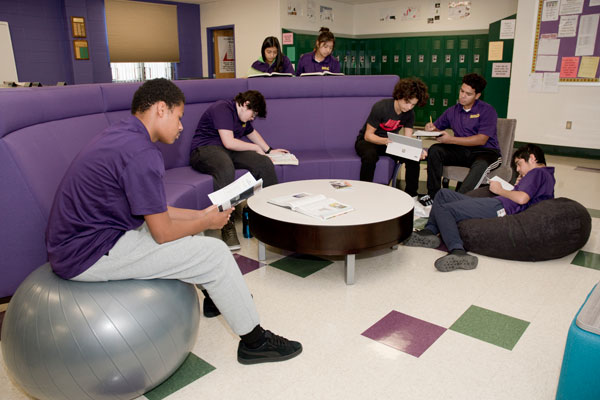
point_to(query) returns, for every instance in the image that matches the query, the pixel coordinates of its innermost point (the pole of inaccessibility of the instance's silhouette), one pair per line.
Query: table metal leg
(262, 256)
(350, 258)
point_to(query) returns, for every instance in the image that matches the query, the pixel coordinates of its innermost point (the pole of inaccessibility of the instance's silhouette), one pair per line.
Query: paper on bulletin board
(495, 51)
(546, 63)
(550, 10)
(571, 7)
(548, 45)
(568, 67)
(588, 67)
(500, 70)
(550, 82)
(287, 38)
(568, 26)
(507, 28)
(535, 82)
(586, 38)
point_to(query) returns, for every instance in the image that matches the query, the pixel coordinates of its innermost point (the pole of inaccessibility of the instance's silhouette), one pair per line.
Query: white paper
(505, 185)
(586, 37)
(226, 54)
(594, 3)
(548, 47)
(535, 82)
(459, 9)
(550, 10)
(568, 26)
(571, 7)
(507, 28)
(235, 192)
(546, 63)
(500, 70)
(550, 82)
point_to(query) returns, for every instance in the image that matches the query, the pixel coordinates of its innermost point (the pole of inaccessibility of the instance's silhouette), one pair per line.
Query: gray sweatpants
(193, 259)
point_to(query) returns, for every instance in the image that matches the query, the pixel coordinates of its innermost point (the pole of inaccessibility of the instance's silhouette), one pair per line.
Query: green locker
(386, 52)
(479, 55)
(423, 58)
(398, 45)
(409, 58)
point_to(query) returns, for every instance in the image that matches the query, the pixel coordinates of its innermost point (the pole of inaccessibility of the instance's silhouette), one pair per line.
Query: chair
(506, 139)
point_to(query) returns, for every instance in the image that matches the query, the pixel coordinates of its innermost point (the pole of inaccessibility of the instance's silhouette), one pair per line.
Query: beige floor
(328, 317)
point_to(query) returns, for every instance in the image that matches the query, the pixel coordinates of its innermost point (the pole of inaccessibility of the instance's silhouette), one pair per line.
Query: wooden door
(224, 53)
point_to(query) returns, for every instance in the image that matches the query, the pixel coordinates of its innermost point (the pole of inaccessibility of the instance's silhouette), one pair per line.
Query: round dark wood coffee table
(382, 218)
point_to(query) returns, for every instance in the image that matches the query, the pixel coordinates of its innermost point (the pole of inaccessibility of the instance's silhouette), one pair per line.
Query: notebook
(405, 147)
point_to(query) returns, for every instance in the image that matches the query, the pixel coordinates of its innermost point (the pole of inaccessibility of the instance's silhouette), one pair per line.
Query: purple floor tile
(405, 333)
(247, 264)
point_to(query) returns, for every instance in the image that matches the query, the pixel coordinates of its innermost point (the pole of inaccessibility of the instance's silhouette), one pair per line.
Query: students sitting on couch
(217, 148)
(535, 183)
(271, 59)
(320, 59)
(391, 115)
(110, 221)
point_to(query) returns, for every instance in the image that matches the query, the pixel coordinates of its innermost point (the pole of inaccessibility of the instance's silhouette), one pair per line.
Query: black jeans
(478, 159)
(369, 155)
(222, 163)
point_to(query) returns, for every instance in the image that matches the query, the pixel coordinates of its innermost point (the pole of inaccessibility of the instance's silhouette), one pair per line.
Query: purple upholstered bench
(42, 129)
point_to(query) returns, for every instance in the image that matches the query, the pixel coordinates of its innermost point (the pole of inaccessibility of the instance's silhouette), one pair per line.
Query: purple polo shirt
(481, 118)
(307, 63)
(537, 183)
(220, 115)
(286, 66)
(112, 183)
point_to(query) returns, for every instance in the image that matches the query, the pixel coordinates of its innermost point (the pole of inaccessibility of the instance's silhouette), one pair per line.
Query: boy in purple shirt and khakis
(110, 221)
(535, 183)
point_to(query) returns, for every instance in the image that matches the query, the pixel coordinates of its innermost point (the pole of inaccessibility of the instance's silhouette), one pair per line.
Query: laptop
(405, 147)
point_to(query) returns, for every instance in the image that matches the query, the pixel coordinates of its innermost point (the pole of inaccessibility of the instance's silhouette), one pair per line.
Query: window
(139, 72)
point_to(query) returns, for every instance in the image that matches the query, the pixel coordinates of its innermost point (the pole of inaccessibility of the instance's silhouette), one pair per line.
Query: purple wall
(43, 44)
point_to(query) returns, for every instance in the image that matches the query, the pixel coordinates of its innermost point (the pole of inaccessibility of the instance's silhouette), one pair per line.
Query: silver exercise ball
(104, 340)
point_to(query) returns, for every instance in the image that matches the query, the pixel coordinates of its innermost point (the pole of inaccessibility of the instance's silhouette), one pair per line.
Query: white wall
(343, 17)
(483, 12)
(253, 21)
(541, 117)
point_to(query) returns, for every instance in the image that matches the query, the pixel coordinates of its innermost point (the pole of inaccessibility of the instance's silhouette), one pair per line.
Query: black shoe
(423, 238)
(426, 200)
(209, 308)
(275, 348)
(229, 236)
(454, 261)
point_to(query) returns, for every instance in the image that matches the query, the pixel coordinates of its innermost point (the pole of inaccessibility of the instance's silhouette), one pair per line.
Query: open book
(322, 73)
(314, 205)
(236, 192)
(505, 185)
(267, 74)
(283, 158)
(426, 134)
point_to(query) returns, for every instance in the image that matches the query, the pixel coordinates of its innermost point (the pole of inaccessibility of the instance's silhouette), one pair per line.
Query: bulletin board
(567, 40)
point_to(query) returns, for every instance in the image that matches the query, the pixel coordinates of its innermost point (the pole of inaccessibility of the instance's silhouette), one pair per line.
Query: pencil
(430, 121)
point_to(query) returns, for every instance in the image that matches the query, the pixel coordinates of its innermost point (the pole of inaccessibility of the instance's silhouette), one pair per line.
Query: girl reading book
(320, 59)
(271, 59)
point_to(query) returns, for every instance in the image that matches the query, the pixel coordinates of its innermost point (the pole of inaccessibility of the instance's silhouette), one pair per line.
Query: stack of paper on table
(314, 205)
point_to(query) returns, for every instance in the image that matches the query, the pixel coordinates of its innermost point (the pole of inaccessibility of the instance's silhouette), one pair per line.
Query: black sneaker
(452, 262)
(229, 236)
(423, 238)
(209, 308)
(275, 348)
(426, 200)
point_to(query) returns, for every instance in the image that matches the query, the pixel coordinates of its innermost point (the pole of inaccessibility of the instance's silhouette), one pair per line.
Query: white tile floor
(328, 317)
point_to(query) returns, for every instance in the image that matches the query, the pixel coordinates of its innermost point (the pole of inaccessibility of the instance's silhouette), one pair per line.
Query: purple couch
(42, 129)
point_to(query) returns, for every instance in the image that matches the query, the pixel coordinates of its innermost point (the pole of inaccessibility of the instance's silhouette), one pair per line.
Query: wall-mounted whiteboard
(8, 68)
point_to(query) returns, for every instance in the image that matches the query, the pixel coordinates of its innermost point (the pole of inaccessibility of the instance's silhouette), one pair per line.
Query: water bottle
(245, 224)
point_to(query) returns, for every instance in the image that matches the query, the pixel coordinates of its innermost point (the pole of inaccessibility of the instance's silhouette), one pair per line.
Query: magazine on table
(339, 184)
(426, 134)
(322, 73)
(313, 205)
(236, 192)
(283, 158)
(268, 74)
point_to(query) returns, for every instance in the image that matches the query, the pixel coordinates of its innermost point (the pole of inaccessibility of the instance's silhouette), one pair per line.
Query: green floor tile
(301, 265)
(587, 259)
(492, 327)
(594, 213)
(192, 369)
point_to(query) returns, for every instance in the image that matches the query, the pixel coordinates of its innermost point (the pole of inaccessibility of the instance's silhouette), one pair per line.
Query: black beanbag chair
(547, 230)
